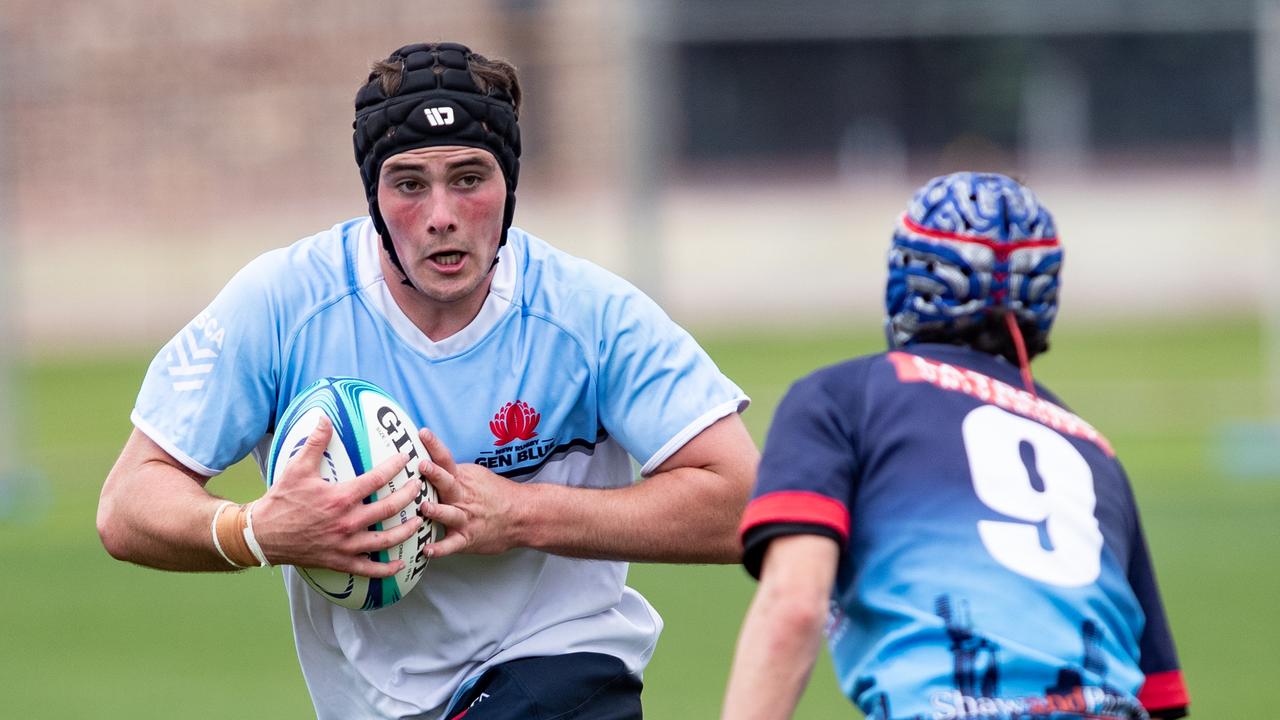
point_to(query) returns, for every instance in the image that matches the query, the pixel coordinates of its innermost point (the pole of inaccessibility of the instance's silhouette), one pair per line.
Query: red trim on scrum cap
(1164, 690)
(1001, 249)
(799, 506)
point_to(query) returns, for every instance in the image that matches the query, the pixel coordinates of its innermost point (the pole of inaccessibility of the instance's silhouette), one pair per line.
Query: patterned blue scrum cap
(971, 244)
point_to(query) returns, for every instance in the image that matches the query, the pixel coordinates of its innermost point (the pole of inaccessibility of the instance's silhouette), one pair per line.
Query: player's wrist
(233, 536)
(522, 526)
(250, 537)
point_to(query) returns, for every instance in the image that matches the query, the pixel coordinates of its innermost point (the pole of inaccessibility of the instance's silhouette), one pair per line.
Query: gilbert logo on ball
(368, 428)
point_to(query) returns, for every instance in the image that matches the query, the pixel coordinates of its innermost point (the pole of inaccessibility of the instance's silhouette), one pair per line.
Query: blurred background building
(744, 160)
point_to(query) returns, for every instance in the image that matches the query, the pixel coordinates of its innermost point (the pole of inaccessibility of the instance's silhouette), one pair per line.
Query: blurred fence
(742, 160)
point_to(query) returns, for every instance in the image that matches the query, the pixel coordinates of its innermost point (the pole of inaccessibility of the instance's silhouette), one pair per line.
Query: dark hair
(487, 74)
(990, 335)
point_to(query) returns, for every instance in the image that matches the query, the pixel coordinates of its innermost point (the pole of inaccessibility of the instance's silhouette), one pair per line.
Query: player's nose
(442, 219)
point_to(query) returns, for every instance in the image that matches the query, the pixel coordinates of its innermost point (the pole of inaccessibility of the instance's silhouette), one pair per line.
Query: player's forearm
(683, 515)
(153, 514)
(168, 533)
(780, 640)
(782, 634)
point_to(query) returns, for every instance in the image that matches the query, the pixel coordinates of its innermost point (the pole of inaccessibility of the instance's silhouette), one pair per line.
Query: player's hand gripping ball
(368, 428)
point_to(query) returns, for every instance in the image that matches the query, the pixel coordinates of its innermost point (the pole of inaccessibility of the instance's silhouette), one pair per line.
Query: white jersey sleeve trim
(690, 431)
(165, 444)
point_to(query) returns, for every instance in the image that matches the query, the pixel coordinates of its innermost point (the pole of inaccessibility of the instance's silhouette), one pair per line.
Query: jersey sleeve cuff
(756, 541)
(793, 512)
(690, 431)
(1164, 695)
(797, 506)
(165, 444)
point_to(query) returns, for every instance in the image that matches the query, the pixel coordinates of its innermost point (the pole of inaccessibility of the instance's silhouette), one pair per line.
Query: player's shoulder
(324, 258)
(839, 385)
(567, 288)
(313, 269)
(550, 271)
(844, 375)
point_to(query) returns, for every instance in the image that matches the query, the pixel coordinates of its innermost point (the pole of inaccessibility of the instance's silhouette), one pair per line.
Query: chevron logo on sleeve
(189, 361)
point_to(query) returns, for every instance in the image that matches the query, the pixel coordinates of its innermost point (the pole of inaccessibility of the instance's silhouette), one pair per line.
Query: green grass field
(91, 637)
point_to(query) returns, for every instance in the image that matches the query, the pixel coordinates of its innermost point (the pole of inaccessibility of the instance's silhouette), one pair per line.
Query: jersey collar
(373, 285)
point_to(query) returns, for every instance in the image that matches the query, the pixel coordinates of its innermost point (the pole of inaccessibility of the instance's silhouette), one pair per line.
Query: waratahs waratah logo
(515, 421)
(517, 443)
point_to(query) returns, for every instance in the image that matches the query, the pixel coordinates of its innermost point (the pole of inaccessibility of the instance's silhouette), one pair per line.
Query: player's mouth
(447, 262)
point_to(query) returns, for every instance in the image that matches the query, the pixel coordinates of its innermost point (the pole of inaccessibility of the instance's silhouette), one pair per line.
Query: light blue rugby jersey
(566, 372)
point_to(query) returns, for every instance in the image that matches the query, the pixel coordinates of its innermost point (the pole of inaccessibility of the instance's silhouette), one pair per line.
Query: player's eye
(469, 180)
(408, 185)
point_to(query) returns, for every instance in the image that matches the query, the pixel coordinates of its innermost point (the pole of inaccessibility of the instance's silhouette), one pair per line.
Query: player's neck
(438, 319)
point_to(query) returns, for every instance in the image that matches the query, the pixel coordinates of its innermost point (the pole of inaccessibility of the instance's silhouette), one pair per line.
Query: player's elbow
(731, 504)
(794, 614)
(112, 528)
(108, 532)
(796, 580)
(721, 543)
(721, 550)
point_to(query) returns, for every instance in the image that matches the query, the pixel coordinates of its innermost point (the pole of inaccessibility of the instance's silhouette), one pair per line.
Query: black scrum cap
(438, 103)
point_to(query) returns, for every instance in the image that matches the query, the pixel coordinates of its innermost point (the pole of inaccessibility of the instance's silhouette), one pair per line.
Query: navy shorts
(557, 687)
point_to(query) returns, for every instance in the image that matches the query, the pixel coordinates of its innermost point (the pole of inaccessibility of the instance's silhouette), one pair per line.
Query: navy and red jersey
(993, 561)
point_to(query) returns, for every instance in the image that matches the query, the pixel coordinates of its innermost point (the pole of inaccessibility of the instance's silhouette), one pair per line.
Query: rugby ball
(368, 428)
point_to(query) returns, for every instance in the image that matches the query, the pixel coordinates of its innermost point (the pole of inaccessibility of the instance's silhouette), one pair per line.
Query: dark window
(762, 99)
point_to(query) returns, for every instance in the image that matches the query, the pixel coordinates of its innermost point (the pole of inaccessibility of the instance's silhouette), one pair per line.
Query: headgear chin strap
(438, 103)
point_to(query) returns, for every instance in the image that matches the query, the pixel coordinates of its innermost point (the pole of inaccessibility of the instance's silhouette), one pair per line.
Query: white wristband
(251, 539)
(213, 529)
